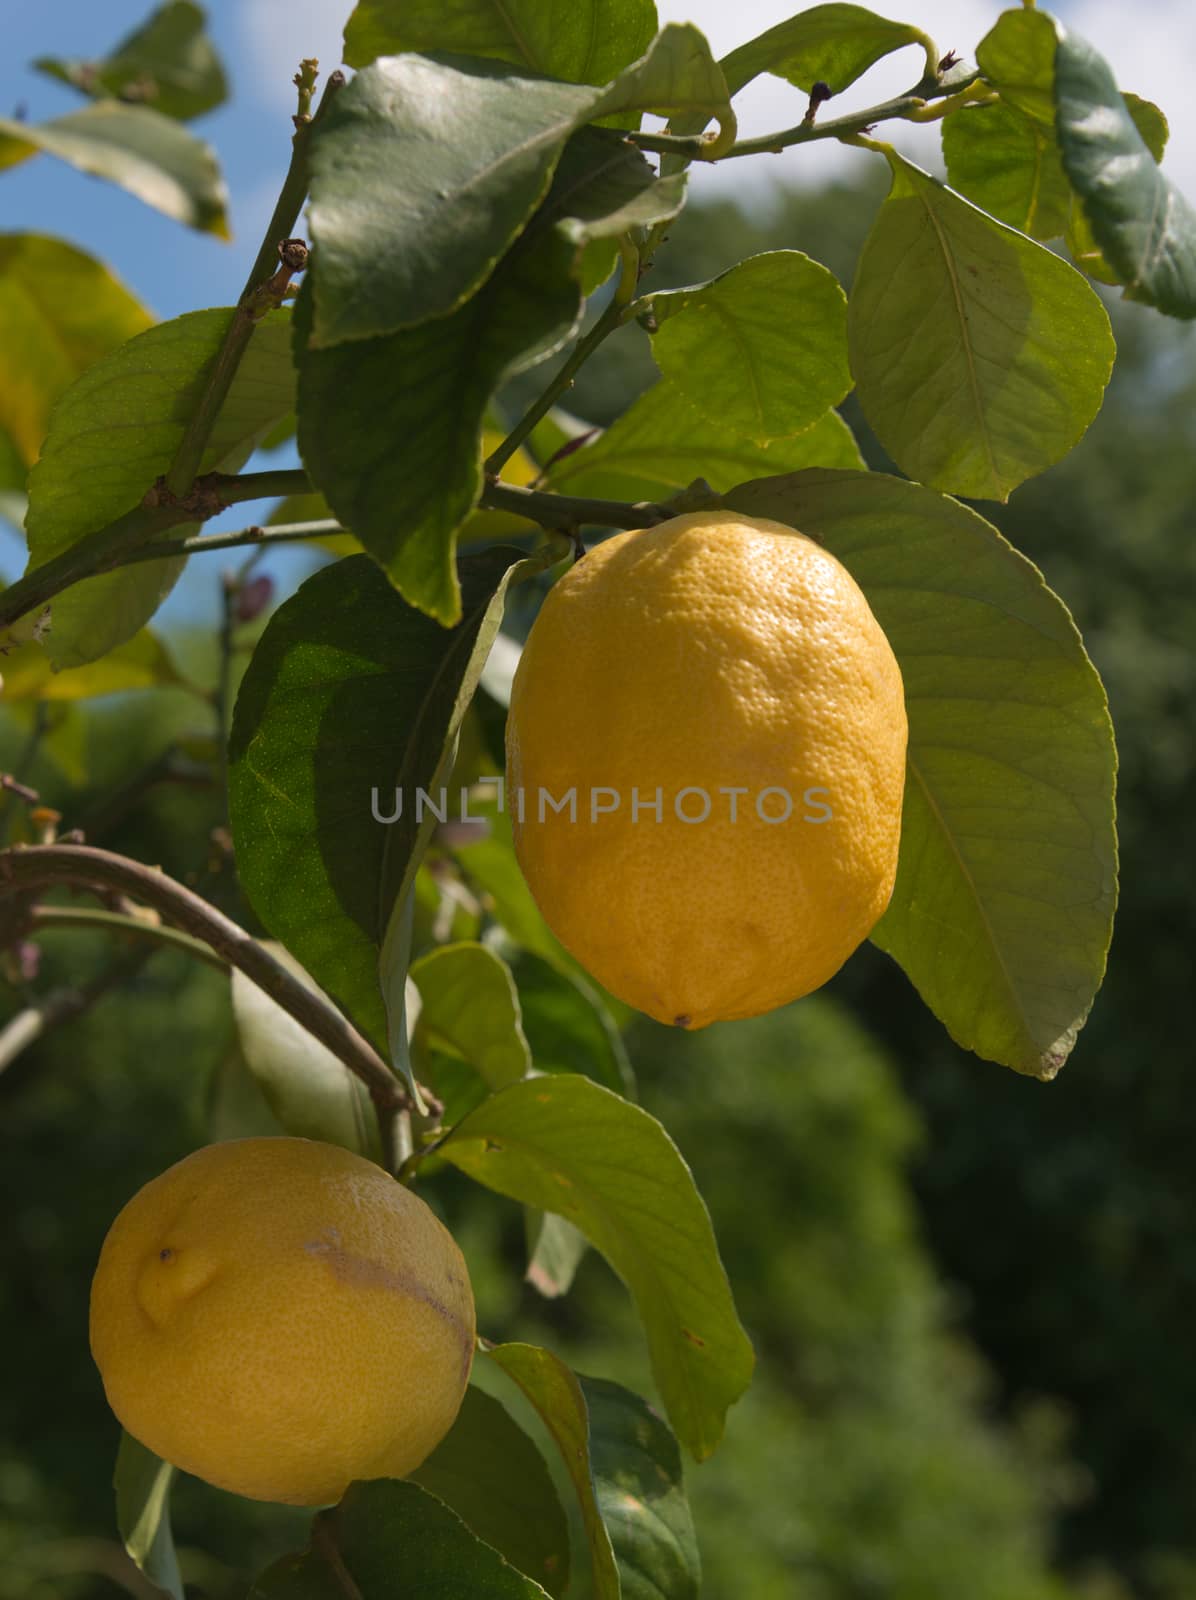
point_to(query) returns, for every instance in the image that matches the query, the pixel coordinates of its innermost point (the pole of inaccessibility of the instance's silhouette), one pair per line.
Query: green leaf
(168, 63)
(390, 429)
(389, 1531)
(564, 1144)
(1017, 57)
(411, 212)
(557, 1395)
(349, 689)
(555, 1250)
(114, 432)
(60, 310)
(1142, 224)
(142, 1484)
(1009, 165)
(641, 1495)
(150, 155)
(1081, 241)
(603, 186)
(579, 41)
(469, 1007)
(567, 1027)
(143, 663)
(662, 443)
(834, 44)
(761, 351)
(1006, 881)
(310, 1091)
(979, 356)
(491, 1474)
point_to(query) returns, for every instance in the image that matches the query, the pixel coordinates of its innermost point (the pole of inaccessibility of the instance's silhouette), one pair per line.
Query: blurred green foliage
(971, 1293)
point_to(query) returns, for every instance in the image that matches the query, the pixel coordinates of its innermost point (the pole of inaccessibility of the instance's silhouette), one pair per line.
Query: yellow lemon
(705, 765)
(280, 1317)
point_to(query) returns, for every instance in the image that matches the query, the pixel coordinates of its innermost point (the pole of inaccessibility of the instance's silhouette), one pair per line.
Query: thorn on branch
(820, 93)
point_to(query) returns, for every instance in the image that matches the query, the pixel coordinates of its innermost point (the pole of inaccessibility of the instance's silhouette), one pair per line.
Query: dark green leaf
(148, 154)
(349, 689)
(142, 1484)
(469, 1007)
(390, 429)
(1009, 165)
(60, 310)
(310, 1091)
(979, 356)
(114, 432)
(662, 443)
(567, 1027)
(557, 1395)
(641, 1495)
(832, 43)
(564, 1144)
(603, 186)
(1144, 227)
(762, 350)
(392, 1532)
(410, 212)
(491, 1474)
(580, 41)
(168, 63)
(1006, 882)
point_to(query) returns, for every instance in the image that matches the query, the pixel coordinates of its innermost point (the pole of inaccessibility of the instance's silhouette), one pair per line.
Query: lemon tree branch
(37, 867)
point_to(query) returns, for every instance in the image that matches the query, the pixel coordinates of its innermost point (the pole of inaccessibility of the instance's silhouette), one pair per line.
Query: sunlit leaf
(144, 662)
(470, 1007)
(1009, 165)
(114, 432)
(60, 310)
(1017, 56)
(150, 155)
(1006, 883)
(564, 1144)
(579, 41)
(168, 63)
(762, 350)
(834, 44)
(980, 358)
(662, 443)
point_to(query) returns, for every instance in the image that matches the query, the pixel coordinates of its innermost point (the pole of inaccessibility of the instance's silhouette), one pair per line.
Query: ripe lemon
(280, 1317)
(705, 766)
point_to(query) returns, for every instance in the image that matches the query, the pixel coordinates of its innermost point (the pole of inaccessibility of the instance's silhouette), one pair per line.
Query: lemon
(280, 1316)
(705, 765)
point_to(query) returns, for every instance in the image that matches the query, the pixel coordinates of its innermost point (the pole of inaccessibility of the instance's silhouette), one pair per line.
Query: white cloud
(278, 33)
(1153, 52)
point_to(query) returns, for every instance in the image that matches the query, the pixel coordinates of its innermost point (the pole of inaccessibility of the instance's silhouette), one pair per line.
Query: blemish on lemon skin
(363, 1273)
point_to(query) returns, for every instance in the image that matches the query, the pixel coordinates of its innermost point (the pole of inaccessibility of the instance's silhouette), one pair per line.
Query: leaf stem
(612, 317)
(905, 106)
(44, 866)
(253, 304)
(48, 918)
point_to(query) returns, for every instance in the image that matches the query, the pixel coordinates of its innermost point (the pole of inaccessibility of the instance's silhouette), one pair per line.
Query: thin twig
(63, 1005)
(251, 306)
(42, 866)
(43, 919)
(256, 535)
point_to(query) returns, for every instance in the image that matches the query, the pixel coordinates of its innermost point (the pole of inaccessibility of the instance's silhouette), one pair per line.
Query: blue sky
(173, 269)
